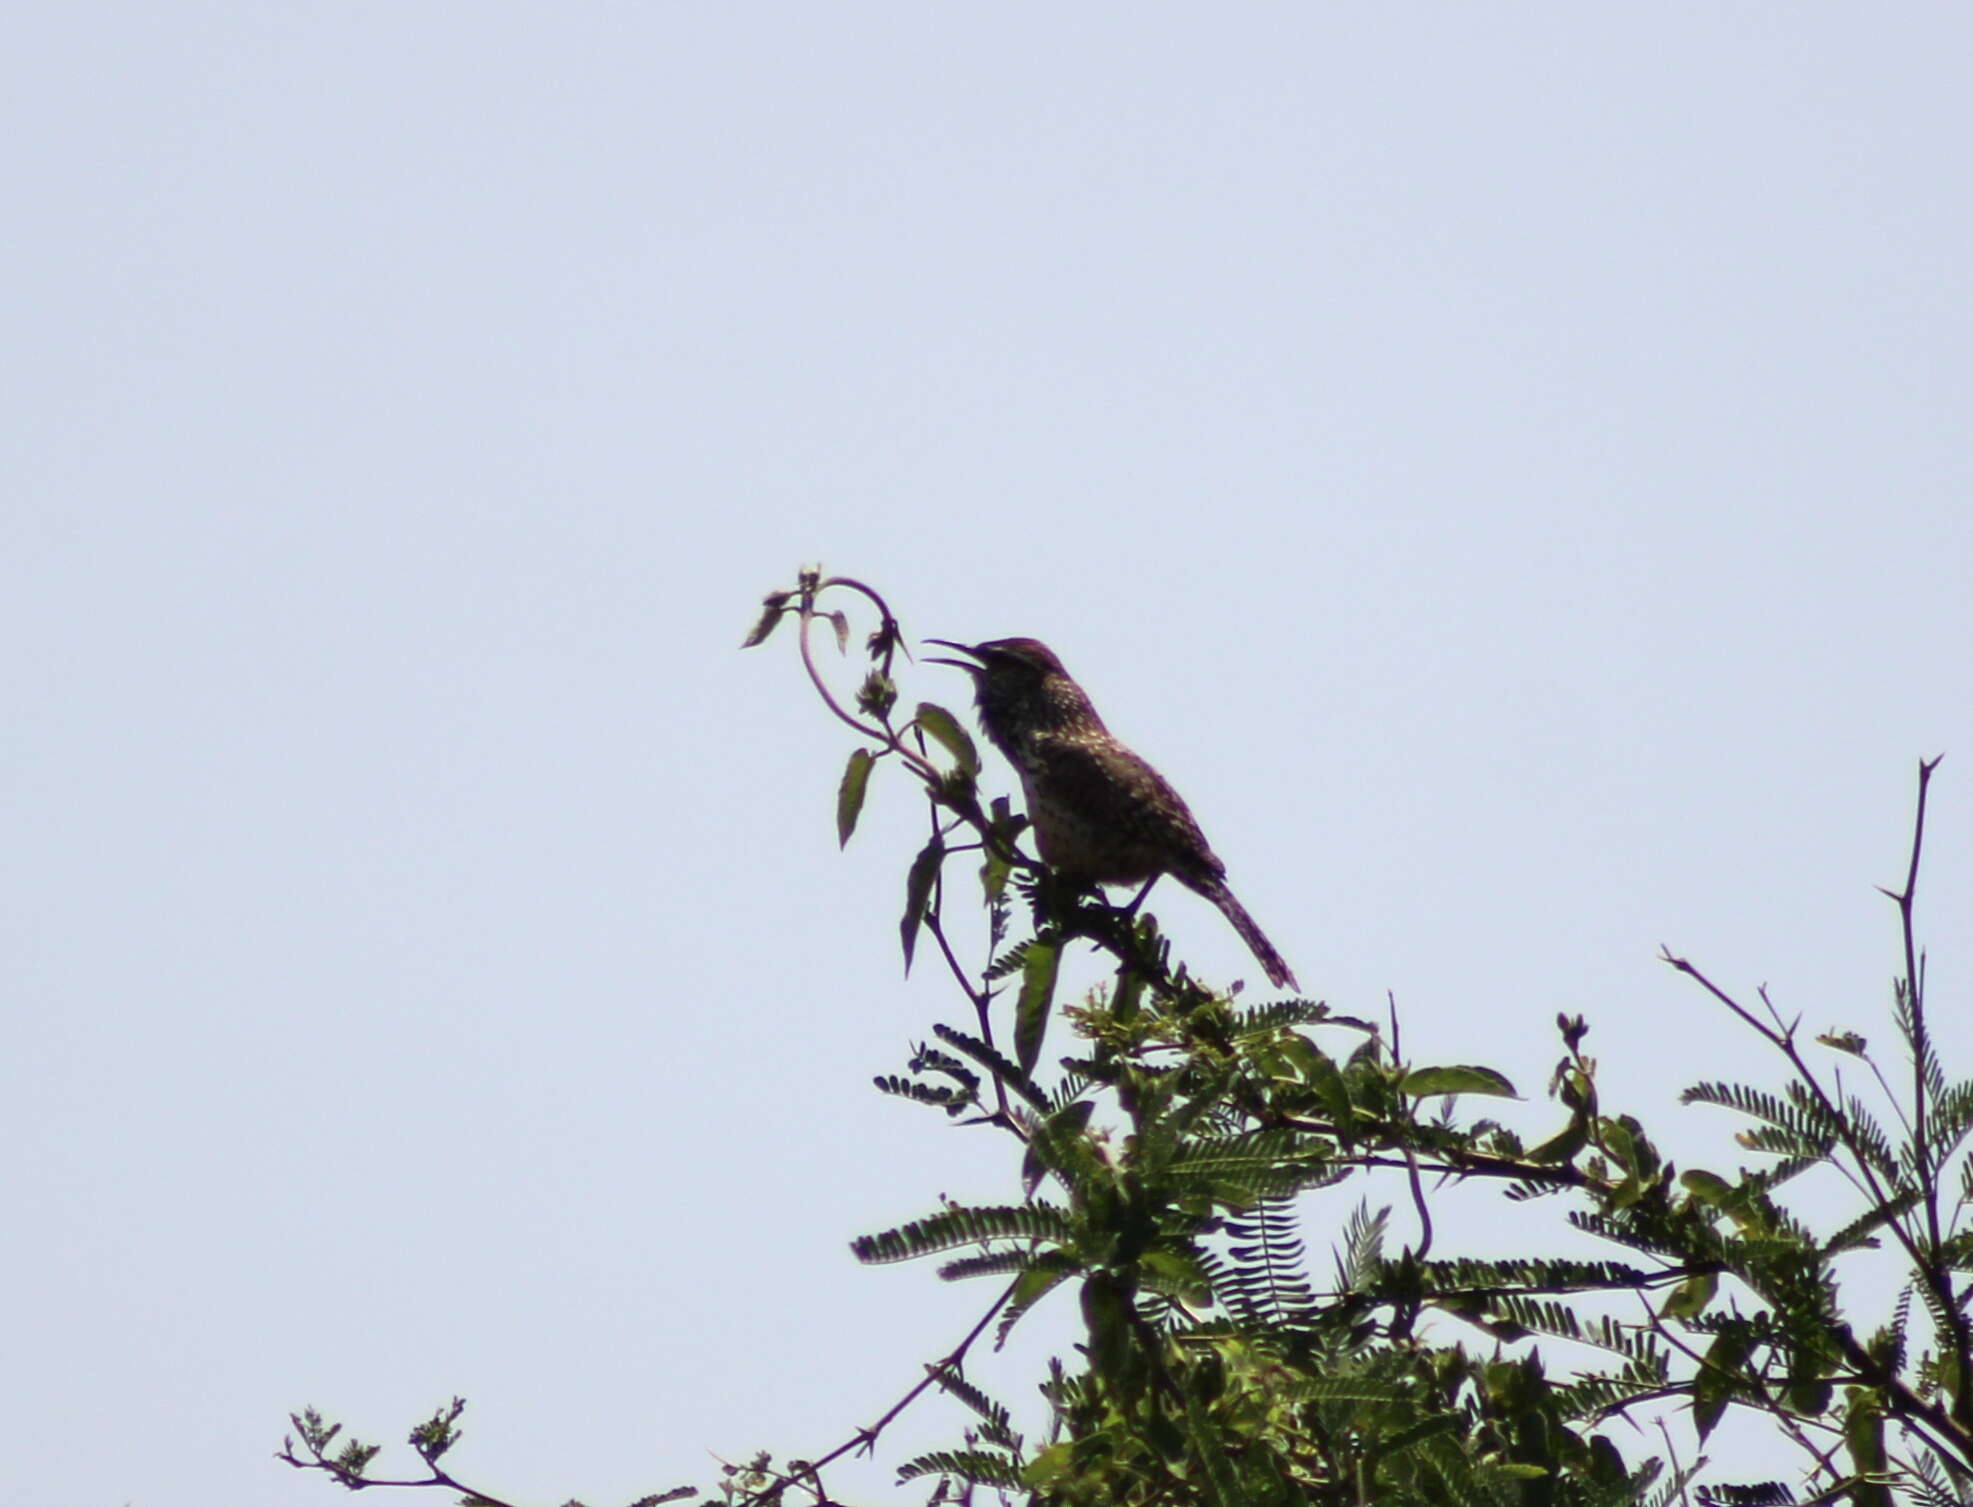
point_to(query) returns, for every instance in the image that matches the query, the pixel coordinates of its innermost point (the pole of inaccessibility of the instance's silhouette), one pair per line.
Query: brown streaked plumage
(1101, 814)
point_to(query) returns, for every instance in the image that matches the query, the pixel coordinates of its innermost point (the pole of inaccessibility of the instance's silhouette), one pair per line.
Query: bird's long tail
(1279, 973)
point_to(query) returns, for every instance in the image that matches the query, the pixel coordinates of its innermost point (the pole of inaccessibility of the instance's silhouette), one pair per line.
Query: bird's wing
(1109, 788)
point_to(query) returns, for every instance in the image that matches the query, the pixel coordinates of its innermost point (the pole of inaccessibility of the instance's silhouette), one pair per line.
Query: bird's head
(1010, 661)
(1019, 684)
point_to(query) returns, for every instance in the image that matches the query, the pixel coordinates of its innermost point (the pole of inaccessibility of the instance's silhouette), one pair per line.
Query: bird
(1100, 813)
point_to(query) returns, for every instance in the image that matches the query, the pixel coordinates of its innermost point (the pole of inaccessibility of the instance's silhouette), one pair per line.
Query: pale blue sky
(1506, 464)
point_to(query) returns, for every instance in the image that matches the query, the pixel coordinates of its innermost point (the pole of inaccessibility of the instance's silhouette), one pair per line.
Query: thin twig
(357, 1481)
(866, 1437)
(1921, 1044)
(1671, 1450)
(1424, 1248)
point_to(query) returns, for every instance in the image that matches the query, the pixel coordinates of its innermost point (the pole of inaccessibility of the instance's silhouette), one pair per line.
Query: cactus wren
(1101, 814)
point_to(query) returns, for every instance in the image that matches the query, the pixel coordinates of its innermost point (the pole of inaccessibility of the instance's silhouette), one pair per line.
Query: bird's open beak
(946, 643)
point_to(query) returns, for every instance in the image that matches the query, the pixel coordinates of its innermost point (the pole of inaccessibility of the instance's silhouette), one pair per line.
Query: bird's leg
(1131, 909)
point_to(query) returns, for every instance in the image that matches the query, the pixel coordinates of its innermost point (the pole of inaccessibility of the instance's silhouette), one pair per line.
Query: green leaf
(1863, 1431)
(1054, 1463)
(917, 890)
(1330, 1088)
(1202, 1435)
(1128, 996)
(1036, 1283)
(1615, 1138)
(1809, 1396)
(940, 725)
(771, 608)
(994, 872)
(1564, 1144)
(1411, 1437)
(1056, 1142)
(1706, 1187)
(849, 794)
(961, 1225)
(1689, 1299)
(1038, 970)
(1424, 1082)
(1713, 1386)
